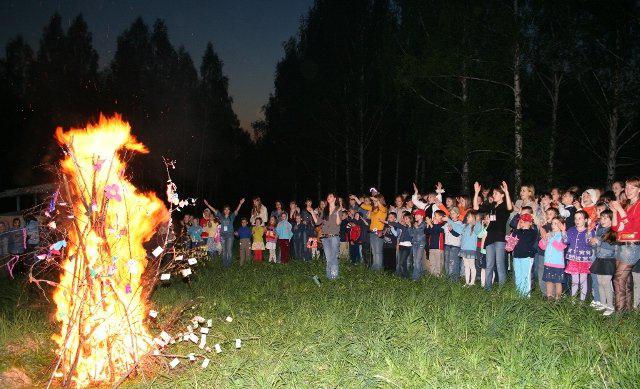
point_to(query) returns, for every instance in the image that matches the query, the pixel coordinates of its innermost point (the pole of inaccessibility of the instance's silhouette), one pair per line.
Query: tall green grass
(371, 329)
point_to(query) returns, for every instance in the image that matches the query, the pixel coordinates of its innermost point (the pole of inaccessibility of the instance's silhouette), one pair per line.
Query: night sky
(247, 34)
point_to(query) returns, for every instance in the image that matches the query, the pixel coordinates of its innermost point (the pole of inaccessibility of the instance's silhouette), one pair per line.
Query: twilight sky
(246, 34)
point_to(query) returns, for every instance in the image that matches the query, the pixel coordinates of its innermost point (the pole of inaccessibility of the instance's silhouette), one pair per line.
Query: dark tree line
(376, 92)
(368, 93)
(179, 111)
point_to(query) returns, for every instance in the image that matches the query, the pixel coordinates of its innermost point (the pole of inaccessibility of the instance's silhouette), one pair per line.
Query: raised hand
(415, 188)
(504, 187)
(439, 186)
(477, 187)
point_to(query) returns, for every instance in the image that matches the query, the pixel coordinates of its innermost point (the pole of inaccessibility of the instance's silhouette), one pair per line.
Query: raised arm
(239, 205)
(476, 194)
(416, 198)
(313, 214)
(505, 189)
(210, 207)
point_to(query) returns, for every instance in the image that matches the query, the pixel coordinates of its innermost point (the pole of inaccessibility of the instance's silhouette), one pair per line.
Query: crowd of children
(561, 242)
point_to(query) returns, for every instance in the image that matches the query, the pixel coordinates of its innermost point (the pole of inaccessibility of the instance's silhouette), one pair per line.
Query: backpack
(354, 233)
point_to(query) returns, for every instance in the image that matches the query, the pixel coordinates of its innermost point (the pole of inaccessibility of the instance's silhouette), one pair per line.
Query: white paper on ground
(174, 363)
(218, 348)
(159, 342)
(194, 338)
(192, 261)
(157, 251)
(166, 337)
(179, 258)
(205, 363)
(203, 341)
(186, 272)
(153, 313)
(229, 319)
(209, 323)
(192, 357)
(204, 330)
(165, 277)
(238, 343)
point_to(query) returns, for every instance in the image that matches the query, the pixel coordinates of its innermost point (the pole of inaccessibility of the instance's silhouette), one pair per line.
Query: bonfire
(99, 299)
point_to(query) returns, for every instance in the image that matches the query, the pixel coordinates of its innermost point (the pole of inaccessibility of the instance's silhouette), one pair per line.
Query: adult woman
(258, 211)
(626, 224)
(498, 210)
(226, 218)
(330, 221)
(377, 211)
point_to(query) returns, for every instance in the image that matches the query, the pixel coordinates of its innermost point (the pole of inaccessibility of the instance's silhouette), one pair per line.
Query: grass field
(364, 330)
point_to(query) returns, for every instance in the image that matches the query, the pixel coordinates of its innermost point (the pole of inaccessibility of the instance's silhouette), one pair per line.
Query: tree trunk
(555, 100)
(347, 167)
(395, 184)
(361, 161)
(517, 117)
(415, 177)
(380, 169)
(464, 176)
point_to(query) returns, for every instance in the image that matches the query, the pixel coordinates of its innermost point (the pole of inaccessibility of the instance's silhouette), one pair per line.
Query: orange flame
(99, 299)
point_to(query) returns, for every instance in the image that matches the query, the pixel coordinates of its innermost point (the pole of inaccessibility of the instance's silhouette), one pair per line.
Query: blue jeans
(418, 254)
(452, 262)
(331, 246)
(376, 250)
(539, 271)
(495, 259)
(227, 250)
(522, 273)
(402, 266)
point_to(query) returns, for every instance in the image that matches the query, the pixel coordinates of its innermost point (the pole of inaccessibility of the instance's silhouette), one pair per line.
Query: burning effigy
(100, 302)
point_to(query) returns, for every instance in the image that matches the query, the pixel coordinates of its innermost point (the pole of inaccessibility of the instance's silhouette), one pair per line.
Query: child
(435, 231)
(344, 232)
(258, 239)
(390, 243)
(356, 228)
(554, 258)
(588, 202)
(524, 251)
(283, 230)
(452, 247)
(418, 242)
(298, 240)
(579, 254)
(481, 252)
(244, 244)
(271, 237)
(403, 233)
(605, 264)
(469, 231)
(543, 229)
(568, 208)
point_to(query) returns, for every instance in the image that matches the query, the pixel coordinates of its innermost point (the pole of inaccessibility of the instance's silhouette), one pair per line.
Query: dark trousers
(354, 253)
(298, 248)
(283, 245)
(389, 257)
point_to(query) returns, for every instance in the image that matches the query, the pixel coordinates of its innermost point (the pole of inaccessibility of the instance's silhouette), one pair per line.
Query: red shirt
(628, 228)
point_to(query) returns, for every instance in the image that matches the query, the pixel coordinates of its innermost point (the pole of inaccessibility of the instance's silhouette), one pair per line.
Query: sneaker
(598, 306)
(595, 304)
(608, 312)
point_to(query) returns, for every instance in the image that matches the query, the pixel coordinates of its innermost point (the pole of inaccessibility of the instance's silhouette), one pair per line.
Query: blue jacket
(284, 230)
(468, 235)
(604, 249)
(418, 235)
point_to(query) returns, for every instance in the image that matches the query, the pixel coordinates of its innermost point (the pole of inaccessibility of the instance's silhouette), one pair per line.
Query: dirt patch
(15, 378)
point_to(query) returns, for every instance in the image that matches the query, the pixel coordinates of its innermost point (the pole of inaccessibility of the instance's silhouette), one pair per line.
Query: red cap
(526, 217)
(420, 212)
